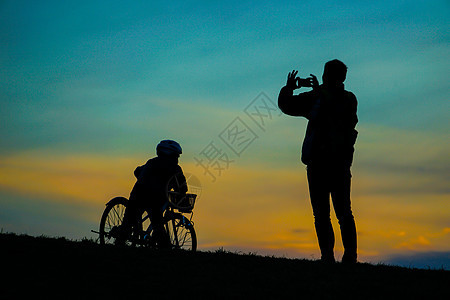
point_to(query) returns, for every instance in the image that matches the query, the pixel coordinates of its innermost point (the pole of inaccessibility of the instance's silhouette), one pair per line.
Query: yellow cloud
(80, 178)
(419, 243)
(254, 205)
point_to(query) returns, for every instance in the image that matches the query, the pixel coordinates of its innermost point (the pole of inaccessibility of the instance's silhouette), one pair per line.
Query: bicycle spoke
(117, 214)
(186, 238)
(112, 217)
(180, 234)
(175, 234)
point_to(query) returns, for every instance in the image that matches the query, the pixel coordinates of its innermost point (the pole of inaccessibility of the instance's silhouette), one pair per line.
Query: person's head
(168, 148)
(334, 73)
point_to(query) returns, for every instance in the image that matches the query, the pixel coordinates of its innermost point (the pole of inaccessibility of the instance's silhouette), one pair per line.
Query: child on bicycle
(150, 192)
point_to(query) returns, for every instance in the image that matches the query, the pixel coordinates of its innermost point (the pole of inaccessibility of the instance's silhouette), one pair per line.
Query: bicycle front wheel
(181, 232)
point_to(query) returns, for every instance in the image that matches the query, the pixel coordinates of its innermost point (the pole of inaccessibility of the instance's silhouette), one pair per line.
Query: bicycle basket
(184, 203)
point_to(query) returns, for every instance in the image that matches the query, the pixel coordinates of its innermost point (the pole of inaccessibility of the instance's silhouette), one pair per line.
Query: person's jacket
(158, 176)
(330, 133)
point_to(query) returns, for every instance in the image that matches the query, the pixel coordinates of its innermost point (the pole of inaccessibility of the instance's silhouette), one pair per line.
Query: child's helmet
(168, 148)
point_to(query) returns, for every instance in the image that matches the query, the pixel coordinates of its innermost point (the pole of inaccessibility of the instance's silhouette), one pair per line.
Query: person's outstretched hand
(294, 82)
(314, 82)
(308, 82)
(291, 80)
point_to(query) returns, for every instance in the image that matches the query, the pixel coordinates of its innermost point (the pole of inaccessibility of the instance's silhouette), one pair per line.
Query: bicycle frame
(168, 213)
(180, 228)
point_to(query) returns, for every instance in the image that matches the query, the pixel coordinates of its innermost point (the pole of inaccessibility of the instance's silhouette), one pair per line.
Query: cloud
(80, 178)
(39, 216)
(399, 176)
(77, 119)
(420, 242)
(424, 260)
(395, 161)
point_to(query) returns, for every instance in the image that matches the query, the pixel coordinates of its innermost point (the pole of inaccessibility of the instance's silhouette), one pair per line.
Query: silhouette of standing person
(327, 151)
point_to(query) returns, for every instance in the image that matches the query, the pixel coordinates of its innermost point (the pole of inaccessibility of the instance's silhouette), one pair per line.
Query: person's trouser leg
(132, 211)
(159, 232)
(128, 217)
(320, 202)
(342, 206)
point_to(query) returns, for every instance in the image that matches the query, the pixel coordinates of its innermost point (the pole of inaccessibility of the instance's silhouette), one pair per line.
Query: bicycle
(179, 227)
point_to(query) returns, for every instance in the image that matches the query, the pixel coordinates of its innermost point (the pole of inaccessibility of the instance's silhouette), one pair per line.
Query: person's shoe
(119, 242)
(327, 259)
(349, 259)
(114, 232)
(119, 234)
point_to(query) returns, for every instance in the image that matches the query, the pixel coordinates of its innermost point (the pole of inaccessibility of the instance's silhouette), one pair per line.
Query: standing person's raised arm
(296, 105)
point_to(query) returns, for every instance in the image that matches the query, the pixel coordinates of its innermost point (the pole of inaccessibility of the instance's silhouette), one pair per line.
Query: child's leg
(160, 234)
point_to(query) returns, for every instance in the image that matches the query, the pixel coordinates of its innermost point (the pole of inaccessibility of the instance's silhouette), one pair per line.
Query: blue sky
(62, 61)
(109, 79)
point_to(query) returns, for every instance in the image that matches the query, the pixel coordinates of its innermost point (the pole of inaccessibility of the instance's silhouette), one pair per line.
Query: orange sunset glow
(89, 90)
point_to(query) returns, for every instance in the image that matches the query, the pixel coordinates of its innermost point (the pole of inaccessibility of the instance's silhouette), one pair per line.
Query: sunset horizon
(89, 89)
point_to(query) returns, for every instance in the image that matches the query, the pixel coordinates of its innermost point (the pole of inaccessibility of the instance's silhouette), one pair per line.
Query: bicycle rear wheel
(111, 219)
(181, 232)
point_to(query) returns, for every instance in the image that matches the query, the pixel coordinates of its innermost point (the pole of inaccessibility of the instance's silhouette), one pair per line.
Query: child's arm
(181, 179)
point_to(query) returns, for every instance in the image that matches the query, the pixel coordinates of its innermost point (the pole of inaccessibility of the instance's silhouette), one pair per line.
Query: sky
(88, 89)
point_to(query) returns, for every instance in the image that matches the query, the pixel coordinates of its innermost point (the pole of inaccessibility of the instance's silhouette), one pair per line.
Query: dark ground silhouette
(49, 268)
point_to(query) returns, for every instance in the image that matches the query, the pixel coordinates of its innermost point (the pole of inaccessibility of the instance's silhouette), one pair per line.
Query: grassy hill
(58, 268)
